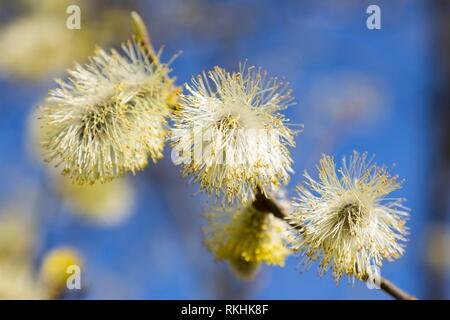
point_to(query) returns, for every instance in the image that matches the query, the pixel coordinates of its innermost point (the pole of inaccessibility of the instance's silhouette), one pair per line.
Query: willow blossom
(246, 237)
(230, 133)
(346, 219)
(109, 117)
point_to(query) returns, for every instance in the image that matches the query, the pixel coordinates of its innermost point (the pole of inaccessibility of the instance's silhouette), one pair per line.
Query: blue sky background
(334, 64)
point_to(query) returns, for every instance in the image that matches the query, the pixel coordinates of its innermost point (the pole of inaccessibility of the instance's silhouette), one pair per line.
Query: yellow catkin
(55, 268)
(246, 237)
(108, 118)
(230, 134)
(347, 220)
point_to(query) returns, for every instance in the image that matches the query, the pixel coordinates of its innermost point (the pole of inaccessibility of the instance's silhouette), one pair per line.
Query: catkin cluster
(228, 134)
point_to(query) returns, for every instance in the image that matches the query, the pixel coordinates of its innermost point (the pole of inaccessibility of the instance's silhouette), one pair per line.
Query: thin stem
(395, 291)
(265, 204)
(142, 36)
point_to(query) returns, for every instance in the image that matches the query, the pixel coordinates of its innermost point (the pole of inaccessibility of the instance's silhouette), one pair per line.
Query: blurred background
(383, 91)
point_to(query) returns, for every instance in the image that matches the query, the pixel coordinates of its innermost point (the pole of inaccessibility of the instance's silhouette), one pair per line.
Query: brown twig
(395, 291)
(265, 204)
(142, 36)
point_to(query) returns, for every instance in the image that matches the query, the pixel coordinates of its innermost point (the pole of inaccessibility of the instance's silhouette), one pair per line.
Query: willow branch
(395, 291)
(142, 36)
(265, 204)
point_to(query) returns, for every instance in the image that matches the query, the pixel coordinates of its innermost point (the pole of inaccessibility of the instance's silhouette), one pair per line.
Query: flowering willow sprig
(230, 133)
(245, 237)
(108, 117)
(347, 220)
